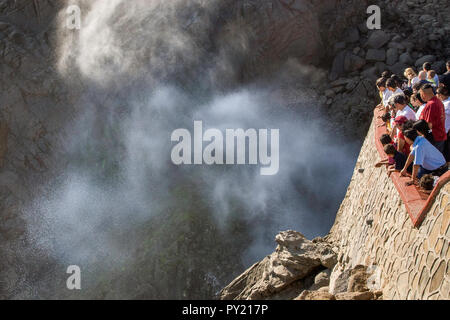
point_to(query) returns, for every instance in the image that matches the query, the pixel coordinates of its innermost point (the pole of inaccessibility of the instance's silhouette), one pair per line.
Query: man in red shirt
(434, 115)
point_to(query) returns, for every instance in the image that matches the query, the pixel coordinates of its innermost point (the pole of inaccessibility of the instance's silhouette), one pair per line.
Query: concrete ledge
(417, 203)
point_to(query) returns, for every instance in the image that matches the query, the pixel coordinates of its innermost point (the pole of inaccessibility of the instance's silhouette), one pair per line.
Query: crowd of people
(416, 113)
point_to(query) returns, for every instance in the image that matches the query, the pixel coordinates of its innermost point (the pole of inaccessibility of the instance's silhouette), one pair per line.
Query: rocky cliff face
(38, 103)
(293, 267)
(303, 270)
(380, 255)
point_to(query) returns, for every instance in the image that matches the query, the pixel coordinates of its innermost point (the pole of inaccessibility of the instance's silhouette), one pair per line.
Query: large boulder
(357, 282)
(322, 279)
(377, 39)
(406, 58)
(428, 58)
(339, 279)
(294, 259)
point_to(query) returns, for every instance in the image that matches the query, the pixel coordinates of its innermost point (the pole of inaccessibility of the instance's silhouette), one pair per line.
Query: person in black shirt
(445, 78)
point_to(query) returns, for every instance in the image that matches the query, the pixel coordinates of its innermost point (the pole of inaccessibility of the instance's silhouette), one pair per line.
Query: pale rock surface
(295, 258)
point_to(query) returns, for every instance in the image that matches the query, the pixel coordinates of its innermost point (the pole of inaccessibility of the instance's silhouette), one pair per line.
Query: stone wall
(373, 228)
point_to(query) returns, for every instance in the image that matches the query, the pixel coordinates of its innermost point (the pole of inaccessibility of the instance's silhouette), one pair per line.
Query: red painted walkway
(416, 202)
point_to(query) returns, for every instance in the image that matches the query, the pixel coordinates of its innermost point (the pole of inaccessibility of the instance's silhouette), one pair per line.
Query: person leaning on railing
(426, 158)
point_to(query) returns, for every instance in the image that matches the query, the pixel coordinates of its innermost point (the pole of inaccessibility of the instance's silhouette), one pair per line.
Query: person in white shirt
(417, 102)
(412, 77)
(387, 94)
(444, 95)
(381, 85)
(392, 86)
(400, 103)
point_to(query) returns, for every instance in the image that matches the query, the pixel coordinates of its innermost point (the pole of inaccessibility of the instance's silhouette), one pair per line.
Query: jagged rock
(376, 55)
(357, 281)
(321, 280)
(377, 39)
(339, 279)
(295, 258)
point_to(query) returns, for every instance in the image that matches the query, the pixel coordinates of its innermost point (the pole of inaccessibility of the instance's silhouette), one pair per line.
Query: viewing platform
(417, 203)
